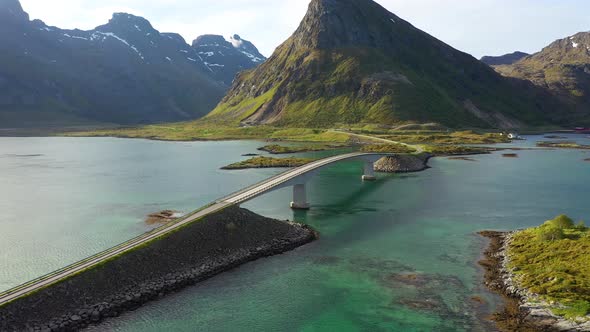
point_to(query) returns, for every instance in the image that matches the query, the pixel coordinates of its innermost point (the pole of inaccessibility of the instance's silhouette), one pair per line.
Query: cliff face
(352, 61)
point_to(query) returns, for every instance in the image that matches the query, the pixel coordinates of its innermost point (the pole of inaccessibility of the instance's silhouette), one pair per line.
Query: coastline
(199, 251)
(522, 311)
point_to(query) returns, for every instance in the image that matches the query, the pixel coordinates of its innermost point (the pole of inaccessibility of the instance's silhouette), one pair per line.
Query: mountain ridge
(562, 67)
(124, 72)
(355, 62)
(506, 59)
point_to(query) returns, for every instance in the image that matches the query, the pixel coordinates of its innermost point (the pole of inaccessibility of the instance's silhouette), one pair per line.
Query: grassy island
(553, 261)
(458, 137)
(282, 149)
(267, 162)
(388, 148)
(563, 145)
(456, 150)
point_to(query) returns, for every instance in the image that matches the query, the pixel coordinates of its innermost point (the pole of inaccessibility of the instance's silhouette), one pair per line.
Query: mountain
(123, 72)
(352, 61)
(226, 58)
(563, 67)
(506, 59)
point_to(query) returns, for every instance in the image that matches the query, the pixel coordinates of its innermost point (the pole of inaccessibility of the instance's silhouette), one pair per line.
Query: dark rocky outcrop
(403, 163)
(198, 251)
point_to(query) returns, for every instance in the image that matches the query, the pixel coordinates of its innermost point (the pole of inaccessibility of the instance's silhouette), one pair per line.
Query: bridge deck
(233, 199)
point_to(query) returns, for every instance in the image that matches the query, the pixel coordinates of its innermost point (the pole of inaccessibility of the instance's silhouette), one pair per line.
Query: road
(233, 199)
(419, 149)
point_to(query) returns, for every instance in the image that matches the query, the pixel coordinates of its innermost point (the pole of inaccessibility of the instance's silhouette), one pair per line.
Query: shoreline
(203, 249)
(522, 311)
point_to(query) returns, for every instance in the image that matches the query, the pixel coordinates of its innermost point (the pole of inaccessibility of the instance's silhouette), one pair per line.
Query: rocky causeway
(199, 251)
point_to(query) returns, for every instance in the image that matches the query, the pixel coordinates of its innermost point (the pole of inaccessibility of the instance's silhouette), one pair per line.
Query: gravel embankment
(197, 252)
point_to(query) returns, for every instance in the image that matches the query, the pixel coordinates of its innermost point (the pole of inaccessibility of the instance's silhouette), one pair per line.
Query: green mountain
(352, 61)
(563, 67)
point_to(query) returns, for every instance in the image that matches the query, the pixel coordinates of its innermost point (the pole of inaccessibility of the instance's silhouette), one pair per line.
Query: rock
(75, 318)
(402, 163)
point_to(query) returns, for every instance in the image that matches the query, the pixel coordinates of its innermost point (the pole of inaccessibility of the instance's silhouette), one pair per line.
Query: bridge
(296, 178)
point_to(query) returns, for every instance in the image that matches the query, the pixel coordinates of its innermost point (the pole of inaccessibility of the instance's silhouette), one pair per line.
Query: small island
(457, 150)
(388, 148)
(563, 145)
(544, 272)
(268, 162)
(283, 149)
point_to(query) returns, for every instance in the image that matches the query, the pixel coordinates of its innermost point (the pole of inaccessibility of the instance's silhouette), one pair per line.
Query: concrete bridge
(296, 178)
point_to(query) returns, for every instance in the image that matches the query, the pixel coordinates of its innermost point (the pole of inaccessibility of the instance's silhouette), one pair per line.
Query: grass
(459, 137)
(282, 149)
(202, 131)
(563, 145)
(553, 260)
(388, 148)
(455, 150)
(268, 162)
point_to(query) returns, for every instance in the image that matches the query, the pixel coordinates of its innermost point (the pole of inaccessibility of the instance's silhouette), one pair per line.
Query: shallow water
(398, 254)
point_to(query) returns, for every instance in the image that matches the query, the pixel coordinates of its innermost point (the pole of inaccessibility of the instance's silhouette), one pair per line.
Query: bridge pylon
(300, 198)
(369, 171)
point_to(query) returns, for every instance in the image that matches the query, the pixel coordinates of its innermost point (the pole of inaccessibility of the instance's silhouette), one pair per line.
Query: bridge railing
(314, 165)
(104, 253)
(258, 184)
(139, 238)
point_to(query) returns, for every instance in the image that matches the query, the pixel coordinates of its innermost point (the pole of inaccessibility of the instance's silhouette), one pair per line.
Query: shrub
(550, 233)
(580, 226)
(562, 222)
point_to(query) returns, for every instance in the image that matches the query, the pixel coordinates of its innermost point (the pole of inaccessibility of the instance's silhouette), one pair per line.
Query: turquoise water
(83, 195)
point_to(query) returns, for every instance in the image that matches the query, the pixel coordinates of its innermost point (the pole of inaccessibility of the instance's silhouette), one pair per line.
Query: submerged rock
(162, 217)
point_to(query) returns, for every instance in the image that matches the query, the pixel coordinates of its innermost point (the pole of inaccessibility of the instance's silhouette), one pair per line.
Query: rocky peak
(174, 36)
(573, 50)
(246, 48)
(13, 11)
(128, 22)
(211, 40)
(342, 23)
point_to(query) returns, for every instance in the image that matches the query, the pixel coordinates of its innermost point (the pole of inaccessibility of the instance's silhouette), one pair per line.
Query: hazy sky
(479, 27)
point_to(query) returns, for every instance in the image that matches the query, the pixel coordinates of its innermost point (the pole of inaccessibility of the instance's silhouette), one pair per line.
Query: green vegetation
(459, 137)
(330, 77)
(388, 148)
(456, 150)
(267, 162)
(198, 130)
(553, 260)
(563, 145)
(282, 149)
(560, 68)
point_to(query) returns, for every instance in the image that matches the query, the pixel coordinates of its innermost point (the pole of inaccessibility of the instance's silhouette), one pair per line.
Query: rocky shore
(523, 311)
(403, 163)
(201, 250)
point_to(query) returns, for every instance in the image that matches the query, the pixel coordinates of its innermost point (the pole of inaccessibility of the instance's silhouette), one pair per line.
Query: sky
(478, 27)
